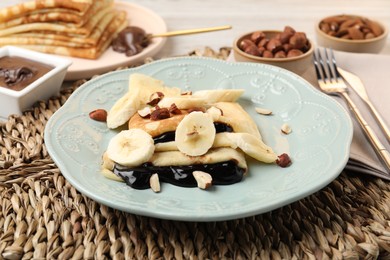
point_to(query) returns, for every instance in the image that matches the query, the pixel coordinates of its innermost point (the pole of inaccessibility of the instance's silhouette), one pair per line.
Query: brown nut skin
(268, 54)
(274, 45)
(252, 50)
(287, 47)
(298, 40)
(256, 37)
(294, 53)
(280, 54)
(98, 115)
(263, 42)
(244, 44)
(283, 160)
(289, 29)
(160, 113)
(355, 33)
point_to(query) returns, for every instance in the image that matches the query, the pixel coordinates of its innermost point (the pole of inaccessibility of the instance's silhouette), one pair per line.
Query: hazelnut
(294, 53)
(98, 115)
(280, 54)
(274, 45)
(252, 50)
(144, 112)
(298, 40)
(203, 179)
(244, 44)
(256, 37)
(173, 109)
(155, 98)
(283, 160)
(267, 54)
(263, 111)
(160, 113)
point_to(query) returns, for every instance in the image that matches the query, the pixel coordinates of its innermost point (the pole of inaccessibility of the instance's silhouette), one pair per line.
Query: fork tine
(316, 65)
(322, 67)
(334, 64)
(329, 66)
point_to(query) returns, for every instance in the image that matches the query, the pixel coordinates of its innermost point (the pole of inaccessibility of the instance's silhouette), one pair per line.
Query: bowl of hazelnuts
(351, 33)
(287, 49)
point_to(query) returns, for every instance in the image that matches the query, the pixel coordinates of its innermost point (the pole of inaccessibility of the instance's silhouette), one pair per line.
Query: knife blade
(358, 86)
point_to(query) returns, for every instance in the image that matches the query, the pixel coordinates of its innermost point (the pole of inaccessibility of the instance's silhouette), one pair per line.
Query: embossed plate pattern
(318, 145)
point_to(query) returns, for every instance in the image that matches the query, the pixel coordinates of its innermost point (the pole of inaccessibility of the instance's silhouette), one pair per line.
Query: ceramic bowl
(373, 45)
(49, 84)
(298, 64)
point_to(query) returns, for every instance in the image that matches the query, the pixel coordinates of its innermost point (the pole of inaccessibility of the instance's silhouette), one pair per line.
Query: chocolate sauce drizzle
(224, 173)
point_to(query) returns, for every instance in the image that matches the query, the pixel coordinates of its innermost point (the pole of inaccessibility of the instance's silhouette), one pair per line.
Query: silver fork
(332, 83)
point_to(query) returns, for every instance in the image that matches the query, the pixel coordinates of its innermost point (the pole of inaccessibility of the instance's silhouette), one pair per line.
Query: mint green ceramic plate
(318, 145)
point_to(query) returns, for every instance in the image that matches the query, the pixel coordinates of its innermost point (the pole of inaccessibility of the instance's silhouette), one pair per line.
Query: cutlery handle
(379, 148)
(379, 119)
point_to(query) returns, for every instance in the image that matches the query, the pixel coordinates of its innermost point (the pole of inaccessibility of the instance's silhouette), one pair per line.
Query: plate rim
(220, 216)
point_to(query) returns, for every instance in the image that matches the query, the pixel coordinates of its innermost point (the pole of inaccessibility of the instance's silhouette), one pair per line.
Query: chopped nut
(160, 113)
(173, 109)
(154, 182)
(286, 129)
(186, 93)
(283, 160)
(215, 112)
(155, 98)
(263, 111)
(144, 112)
(98, 115)
(203, 179)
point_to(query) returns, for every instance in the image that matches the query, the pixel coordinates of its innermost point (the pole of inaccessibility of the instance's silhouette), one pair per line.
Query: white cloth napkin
(373, 70)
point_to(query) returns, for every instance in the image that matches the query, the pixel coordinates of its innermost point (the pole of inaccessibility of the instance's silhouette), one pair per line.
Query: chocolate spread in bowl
(16, 73)
(131, 40)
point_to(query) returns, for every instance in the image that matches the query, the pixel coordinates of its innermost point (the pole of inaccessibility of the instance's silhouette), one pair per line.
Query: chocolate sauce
(131, 40)
(223, 173)
(16, 73)
(170, 136)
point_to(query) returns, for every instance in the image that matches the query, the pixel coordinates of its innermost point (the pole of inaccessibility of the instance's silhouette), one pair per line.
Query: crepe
(68, 17)
(77, 28)
(233, 115)
(77, 6)
(117, 24)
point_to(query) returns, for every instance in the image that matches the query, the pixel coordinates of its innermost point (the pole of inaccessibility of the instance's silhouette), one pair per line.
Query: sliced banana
(249, 144)
(219, 95)
(195, 134)
(183, 102)
(141, 87)
(123, 109)
(131, 147)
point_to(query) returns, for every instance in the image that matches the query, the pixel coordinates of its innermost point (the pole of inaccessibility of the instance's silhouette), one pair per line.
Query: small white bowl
(15, 102)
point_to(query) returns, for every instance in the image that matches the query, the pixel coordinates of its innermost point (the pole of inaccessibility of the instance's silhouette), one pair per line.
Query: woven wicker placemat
(42, 216)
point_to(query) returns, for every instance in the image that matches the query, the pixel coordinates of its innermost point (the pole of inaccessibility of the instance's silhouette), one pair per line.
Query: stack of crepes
(77, 28)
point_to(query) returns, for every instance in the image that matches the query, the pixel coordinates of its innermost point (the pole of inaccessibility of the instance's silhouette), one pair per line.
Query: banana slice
(131, 147)
(141, 87)
(249, 144)
(219, 95)
(123, 109)
(183, 102)
(195, 134)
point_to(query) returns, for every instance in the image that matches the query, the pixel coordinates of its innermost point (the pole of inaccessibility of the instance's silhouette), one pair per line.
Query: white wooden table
(250, 15)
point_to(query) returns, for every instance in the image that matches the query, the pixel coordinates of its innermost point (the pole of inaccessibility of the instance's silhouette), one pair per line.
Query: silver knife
(357, 85)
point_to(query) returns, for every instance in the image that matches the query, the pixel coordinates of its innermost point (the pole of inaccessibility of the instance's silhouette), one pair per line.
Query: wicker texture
(43, 216)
